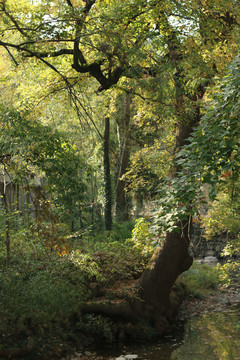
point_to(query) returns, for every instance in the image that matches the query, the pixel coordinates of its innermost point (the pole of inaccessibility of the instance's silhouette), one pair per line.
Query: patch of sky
(183, 26)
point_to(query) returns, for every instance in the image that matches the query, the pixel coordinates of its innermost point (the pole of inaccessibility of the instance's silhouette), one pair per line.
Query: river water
(210, 336)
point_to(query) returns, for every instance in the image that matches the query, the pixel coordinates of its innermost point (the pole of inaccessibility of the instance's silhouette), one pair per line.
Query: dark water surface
(210, 336)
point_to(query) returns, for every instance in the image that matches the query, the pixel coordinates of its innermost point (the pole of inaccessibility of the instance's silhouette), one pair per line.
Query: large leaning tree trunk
(151, 302)
(169, 260)
(172, 258)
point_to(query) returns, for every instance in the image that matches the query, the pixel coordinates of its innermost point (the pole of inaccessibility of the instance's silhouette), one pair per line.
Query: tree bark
(107, 178)
(172, 257)
(7, 223)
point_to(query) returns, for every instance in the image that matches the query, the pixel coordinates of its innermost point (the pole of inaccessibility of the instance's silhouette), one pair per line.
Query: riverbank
(223, 298)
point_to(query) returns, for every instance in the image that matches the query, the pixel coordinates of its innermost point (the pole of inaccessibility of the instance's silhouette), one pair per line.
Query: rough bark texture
(167, 263)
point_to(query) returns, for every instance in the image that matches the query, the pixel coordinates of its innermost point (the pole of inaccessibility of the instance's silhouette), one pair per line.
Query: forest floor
(218, 300)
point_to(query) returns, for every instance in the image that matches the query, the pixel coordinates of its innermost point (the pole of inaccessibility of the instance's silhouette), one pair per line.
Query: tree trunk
(168, 262)
(7, 229)
(7, 223)
(172, 258)
(152, 302)
(107, 178)
(122, 201)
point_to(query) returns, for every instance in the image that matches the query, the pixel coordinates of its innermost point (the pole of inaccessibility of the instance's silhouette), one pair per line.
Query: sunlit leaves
(32, 149)
(215, 144)
(212, 156)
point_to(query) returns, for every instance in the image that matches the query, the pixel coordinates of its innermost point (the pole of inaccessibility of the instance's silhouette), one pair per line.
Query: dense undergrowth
(41, 291)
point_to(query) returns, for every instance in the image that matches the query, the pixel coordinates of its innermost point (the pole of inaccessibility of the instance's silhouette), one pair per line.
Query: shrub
(43, 293)
(141, 238)
(99, 326)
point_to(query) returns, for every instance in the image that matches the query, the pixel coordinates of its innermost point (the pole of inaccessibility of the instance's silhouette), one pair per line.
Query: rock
(127, 357)
(210, 260)
(88, 353)
(210, 253)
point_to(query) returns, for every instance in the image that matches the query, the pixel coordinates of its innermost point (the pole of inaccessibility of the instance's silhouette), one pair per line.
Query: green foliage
(121, 231)
(230, 271)
(142, 238)
(162, 59)
(109, 261)
(40, 149)
(88, 265)
(43, 292)
(200, 280)
(214, 146)
(223, 213)
(223, 218)
(99, 326)
(211, 156)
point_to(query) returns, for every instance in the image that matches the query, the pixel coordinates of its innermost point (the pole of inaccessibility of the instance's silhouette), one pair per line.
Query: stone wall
(200, 247)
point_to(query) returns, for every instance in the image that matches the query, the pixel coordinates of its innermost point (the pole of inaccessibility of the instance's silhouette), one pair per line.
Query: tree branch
(14, 21)
(11, 55)
(53, 54)
(69, 3)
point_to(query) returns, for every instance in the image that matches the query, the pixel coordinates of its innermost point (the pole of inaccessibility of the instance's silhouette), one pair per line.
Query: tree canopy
(114, 111)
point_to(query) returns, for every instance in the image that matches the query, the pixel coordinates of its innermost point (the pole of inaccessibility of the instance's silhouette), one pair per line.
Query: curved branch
(68, 85)
(13, 20)
(11, 55)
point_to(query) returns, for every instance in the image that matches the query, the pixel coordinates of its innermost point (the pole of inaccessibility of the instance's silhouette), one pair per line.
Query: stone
(88, 353)
(199, 261)
(130, 357)
(210, 253)
(127, 357)
(210, 260)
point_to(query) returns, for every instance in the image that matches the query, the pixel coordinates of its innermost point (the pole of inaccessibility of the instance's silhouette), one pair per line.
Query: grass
(200, 280)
